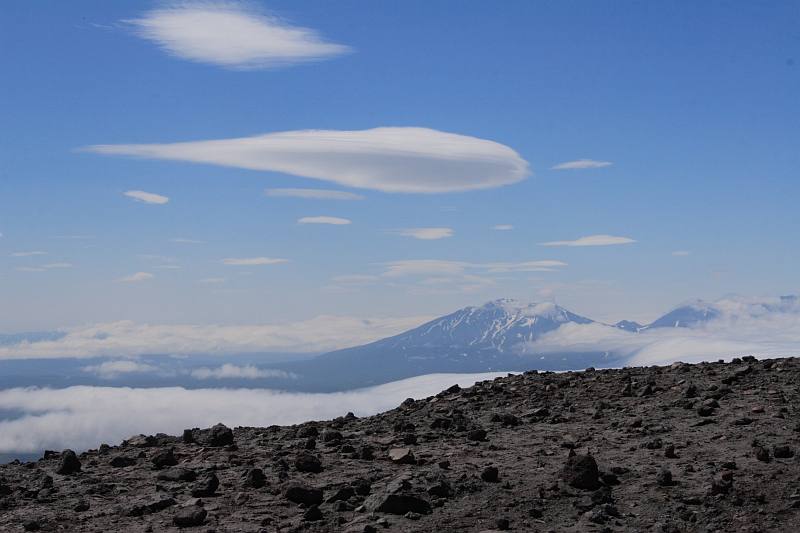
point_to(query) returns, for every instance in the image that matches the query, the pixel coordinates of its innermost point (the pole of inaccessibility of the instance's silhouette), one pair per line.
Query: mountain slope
(472, 339)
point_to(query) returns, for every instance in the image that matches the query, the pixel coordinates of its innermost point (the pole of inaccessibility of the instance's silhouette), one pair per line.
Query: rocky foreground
(707, 447)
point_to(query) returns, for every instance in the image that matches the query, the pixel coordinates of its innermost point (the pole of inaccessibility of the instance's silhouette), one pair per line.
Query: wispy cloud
(229, 371)
(27, 254)
(313, 194)
(253, 261)
(114, 369)
(137, 277)
(30, 269)
(503, 227)
(147, 197)
(57, 265)
(681, 253)
(426, 234)
(438, 267)
(182, 240)
(126, 338)
(399, 160)
(80, 417)
(335, 221)
(232, 35)
(581, 164)
(591, 240)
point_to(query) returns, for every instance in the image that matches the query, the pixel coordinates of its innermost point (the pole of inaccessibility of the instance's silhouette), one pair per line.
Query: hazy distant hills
(500, 335)
(473, 339)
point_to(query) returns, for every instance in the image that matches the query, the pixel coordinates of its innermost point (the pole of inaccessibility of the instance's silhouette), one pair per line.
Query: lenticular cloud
(399, 160)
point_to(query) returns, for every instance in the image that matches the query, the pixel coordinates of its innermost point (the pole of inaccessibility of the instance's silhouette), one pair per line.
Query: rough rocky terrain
(707, 447)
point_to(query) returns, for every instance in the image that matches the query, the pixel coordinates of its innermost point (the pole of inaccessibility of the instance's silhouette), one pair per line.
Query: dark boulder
(581, 472)
(304, 494)
(191, 516)
(69, 463)
(220, 435)
(206, 485)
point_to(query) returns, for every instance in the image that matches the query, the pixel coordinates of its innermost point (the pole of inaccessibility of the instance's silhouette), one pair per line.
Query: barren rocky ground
(707, 447)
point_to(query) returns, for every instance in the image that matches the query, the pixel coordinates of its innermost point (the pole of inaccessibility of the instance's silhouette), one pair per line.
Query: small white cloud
(313, 194)
(503, 227)
(169, 267)
(57, 265)
(182, 240)
(113, 369)
(336, 221)
(231, 35)
(426, 234)
(229, 371)
(147, 197)
(135, 278)
(253, 261)
(681, 253)
(591, 240)
(396, 160)
(581, 164)
(28, 254)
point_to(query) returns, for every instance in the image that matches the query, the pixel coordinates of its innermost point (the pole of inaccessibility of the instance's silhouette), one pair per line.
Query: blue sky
(694, 105)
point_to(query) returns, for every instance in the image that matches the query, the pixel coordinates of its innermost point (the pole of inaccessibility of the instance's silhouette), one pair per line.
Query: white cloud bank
(253, 261)
(426, 234)
(125, 338)
(229, 371)
(764, 327)
(333, 221)
(147, 197)
(592, 240)
(397, 160)
(313, 194)
(84, 417)
(28, 254)
(581, 164)
(113, 369)
(229, 34)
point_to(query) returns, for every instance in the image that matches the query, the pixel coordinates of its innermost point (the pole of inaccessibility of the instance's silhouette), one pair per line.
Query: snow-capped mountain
(733, 307)
(473, 339)
(498, 325)
(686, 316)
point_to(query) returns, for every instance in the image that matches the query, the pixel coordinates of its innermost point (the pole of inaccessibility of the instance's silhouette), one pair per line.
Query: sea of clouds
(83, 417)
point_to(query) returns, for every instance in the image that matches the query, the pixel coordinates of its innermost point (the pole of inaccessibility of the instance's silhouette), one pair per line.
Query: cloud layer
(230, 35)
(426, 234)
(765, 327)
(125, 338)
(313, 194)
(581, 164)
(147, 197)
(253, 261)
(399, 160)
(83, 417)
(333, 221)
(592, 240)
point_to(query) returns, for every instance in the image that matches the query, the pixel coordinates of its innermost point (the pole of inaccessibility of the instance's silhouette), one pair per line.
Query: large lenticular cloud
(397, 160)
